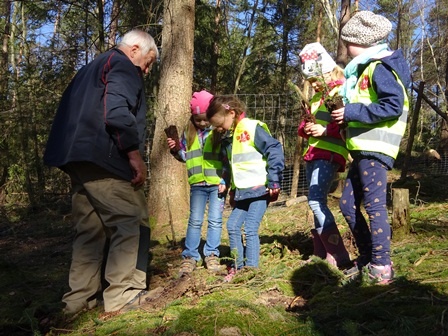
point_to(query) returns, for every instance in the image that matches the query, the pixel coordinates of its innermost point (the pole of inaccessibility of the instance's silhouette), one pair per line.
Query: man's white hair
(142, 39)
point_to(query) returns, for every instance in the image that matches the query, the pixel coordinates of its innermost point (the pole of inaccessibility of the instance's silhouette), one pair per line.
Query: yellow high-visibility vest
(248, 165)
(323, 117)
(383, 137)
(203, 164)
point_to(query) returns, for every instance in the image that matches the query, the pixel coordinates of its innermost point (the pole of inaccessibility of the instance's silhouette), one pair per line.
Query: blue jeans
(250, 213)
(320, 175)
(199, 195)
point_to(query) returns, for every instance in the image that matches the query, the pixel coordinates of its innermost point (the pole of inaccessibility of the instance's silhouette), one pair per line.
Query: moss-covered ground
(285, 296)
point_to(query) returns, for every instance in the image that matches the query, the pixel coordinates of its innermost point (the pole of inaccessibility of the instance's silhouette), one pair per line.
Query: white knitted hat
(315, 60)
(366, 28)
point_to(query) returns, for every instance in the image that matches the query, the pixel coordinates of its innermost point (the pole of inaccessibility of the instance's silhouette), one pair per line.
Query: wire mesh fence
(280, 113)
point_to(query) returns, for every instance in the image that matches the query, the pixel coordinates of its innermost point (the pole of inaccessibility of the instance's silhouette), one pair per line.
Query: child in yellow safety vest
(206, 176)
(325, 153)
(375, 113)
(256, 162)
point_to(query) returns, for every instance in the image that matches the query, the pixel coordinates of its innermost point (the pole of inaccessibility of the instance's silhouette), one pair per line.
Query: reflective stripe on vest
(383, 137)
(323, 117)
(248, 165)
(203, 165)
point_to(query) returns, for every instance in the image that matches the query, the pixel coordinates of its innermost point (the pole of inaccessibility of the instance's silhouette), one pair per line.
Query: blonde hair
(337, 73)
(190, 132)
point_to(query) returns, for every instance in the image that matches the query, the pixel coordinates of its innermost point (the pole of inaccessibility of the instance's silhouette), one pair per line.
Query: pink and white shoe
(230, 275)
(380, 274)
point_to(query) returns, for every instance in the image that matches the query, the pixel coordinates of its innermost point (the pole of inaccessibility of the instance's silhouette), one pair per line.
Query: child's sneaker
(353, 273)
(187, 266)
(380, 274)
(230, 275)
(212, 263)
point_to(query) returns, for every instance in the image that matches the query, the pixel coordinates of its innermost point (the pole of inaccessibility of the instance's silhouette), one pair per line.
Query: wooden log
(296, 200)
(401, 217)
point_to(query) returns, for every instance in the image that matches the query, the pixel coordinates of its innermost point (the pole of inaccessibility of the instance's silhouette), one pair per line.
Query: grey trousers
(106, 206)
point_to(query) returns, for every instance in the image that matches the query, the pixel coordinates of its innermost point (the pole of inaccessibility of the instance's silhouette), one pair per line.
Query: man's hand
(138, 168)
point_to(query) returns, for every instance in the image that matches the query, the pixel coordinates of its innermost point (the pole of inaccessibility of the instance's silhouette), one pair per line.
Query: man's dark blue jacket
(101, 116)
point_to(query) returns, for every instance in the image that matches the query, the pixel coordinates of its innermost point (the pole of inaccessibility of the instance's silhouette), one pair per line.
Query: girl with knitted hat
(376, 111)
(325, 153)
(206, 175)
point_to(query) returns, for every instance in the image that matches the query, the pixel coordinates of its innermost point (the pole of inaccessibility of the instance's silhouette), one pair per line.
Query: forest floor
(285, 296)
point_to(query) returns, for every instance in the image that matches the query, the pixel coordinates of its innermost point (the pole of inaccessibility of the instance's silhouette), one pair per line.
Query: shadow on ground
(401, 308)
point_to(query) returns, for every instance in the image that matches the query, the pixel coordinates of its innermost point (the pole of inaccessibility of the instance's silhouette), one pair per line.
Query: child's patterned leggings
(367, 181)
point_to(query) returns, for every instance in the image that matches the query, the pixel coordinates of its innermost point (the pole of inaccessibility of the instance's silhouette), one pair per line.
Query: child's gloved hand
(273, 194)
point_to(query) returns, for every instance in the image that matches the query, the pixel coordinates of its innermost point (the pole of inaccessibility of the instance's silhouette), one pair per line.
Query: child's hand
(171, 143)
(273, 194)
(307, 127)
(222, 188)
(315, 130)
(338, 115)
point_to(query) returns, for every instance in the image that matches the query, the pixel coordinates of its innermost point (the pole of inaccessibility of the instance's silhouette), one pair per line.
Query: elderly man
(97, 138)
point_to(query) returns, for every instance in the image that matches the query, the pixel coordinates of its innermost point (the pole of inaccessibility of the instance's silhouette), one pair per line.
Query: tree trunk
(112, 41)
(6, 14)
(4, 101)
(100, 45)
(342, 55)
(296, 167)
(215, 49)
(247, 43)
(319, 25)
(401, 213)
(168, 197)
(412, 131)
(285, 41)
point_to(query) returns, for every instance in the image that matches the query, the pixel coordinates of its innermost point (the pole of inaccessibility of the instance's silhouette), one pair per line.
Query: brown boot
(318, 247)
(337, 254)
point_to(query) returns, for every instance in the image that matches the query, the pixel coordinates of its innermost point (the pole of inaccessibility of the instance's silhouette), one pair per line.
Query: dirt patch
(160, 297)
(273, 298)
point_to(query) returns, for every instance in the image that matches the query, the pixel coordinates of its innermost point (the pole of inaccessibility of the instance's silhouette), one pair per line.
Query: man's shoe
(71, 315)
(136, 302)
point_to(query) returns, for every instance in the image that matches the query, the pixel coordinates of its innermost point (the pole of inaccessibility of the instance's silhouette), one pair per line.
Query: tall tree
(4, 75)
(168, 189)
(207, 40)
(342, 54)
(247, 41)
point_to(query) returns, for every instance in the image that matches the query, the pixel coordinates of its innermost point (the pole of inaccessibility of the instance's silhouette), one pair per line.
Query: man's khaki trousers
(105, 206)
